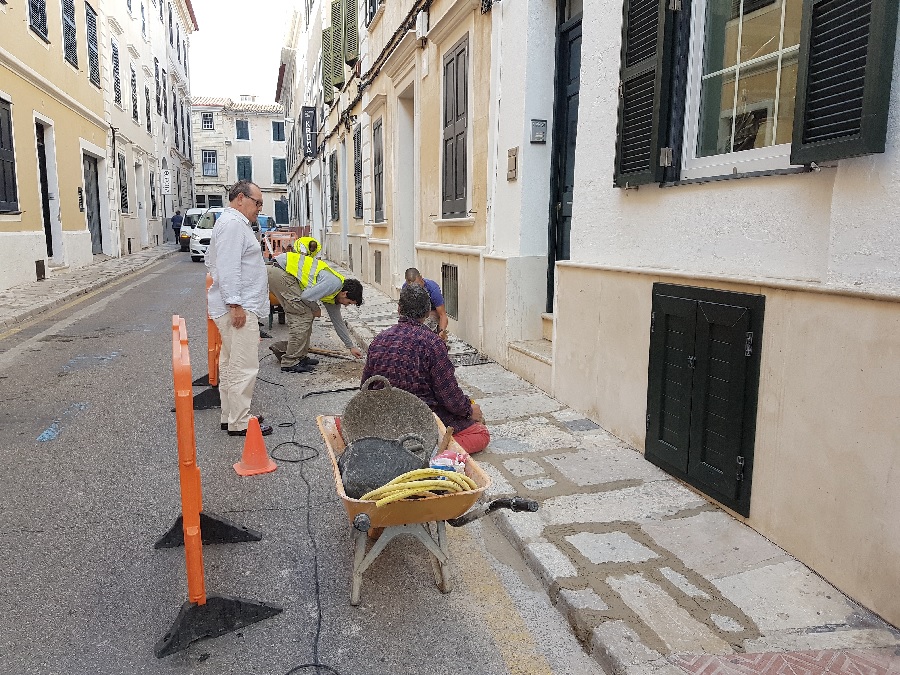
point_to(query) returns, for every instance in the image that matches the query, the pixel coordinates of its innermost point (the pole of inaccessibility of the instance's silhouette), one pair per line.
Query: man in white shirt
(238, 297)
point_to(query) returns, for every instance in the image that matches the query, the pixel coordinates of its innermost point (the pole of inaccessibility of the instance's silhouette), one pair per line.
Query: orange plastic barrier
(281, 242)
(213, 343)
(200, 616)
(188, 471)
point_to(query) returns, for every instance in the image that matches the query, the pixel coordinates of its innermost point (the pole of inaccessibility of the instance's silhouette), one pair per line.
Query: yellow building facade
(54, 141)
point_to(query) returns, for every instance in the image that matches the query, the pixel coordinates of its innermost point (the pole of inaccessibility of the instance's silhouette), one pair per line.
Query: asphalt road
(88, 482)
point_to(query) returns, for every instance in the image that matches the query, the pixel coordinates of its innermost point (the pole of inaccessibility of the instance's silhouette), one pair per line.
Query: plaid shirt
(414, 359)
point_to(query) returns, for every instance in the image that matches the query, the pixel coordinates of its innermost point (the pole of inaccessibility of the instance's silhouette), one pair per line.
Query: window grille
(92, 45)
(201, 201)
(70, 36)
(123, 184)
(215, 200)
(377, 267)
(206, 121)
(450, 289)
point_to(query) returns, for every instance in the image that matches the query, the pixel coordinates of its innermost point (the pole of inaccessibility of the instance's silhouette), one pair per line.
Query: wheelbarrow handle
(515, 504)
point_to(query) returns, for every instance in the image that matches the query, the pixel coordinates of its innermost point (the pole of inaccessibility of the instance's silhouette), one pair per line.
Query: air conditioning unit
(422, 27)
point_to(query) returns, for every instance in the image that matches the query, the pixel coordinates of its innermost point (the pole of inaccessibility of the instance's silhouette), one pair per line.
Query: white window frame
(203, 163)
(771, 158)
(212, 122)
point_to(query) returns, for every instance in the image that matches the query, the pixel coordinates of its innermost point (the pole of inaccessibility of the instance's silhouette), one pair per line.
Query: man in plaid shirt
(414, 359)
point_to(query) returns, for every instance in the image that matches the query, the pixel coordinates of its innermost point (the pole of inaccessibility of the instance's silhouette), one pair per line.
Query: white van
(202, 231)
(191, 216)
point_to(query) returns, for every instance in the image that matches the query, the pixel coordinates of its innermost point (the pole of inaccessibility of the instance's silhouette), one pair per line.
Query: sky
(238, 47)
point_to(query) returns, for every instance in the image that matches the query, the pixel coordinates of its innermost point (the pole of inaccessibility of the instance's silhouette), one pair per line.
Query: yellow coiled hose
(421, 482)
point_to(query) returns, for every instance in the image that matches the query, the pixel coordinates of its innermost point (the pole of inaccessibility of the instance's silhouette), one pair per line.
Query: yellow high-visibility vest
(302, 245)
(306, 269)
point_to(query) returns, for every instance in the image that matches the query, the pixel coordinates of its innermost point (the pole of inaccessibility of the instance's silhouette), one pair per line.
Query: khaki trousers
(238, 367)
(299, 316)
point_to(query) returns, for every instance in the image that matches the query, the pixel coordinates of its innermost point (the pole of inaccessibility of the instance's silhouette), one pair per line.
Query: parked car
(191, 217)
(203, 231)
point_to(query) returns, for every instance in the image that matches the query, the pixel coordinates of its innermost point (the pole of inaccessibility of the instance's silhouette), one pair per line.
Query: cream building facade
(76, 78)
(681, 223)
(235, 141)
(51, 120)
(148, 107)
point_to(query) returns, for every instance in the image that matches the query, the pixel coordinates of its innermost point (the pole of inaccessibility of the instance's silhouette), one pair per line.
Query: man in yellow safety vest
(308, 246)
(300, 282)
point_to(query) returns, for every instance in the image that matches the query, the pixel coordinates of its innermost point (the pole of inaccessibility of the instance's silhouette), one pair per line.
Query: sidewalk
(652, 578)
(22, 302)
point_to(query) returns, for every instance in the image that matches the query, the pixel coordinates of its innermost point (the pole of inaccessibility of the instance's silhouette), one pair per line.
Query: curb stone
(80, 287)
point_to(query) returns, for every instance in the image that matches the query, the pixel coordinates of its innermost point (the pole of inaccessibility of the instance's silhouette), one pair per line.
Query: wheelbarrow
(425, 519)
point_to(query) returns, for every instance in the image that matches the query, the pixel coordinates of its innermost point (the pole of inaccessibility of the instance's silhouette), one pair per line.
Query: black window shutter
(92, 45)
(70, 36)
(9, 200)
(123, 184)
(844, 79)
(378, 170)
(117, 82)
(717, 403)
(38, 16)
(357, 173)
(333, 181)
(670, 379)
(165, 97)
(147, 108)
(454, 178)
(644, 91)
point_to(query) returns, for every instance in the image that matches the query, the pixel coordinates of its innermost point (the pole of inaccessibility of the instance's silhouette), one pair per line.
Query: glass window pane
(761, 31)
(720, 50)
(792, 14)
(786, 97)
(754, 123)
(717, 101)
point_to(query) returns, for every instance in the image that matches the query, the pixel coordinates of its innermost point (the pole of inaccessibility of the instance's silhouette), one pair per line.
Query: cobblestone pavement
(22, 302)
(652, 577)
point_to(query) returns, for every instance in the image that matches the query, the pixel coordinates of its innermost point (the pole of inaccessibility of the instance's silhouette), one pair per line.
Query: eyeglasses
(259, 202)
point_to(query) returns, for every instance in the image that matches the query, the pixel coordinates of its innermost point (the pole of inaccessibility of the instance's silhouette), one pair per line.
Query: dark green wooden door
(702, 386)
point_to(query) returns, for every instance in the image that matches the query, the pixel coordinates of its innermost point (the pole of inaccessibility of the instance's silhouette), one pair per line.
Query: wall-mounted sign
(308, 129)
(165, 181)
(538, 131)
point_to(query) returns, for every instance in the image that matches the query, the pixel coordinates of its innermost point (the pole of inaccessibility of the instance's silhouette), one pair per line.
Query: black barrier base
(208, 398)
(218, 616)
(213, 529)
(201, 381)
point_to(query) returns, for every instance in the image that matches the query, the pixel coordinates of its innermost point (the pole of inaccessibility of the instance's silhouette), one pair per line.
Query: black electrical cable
(320, 667)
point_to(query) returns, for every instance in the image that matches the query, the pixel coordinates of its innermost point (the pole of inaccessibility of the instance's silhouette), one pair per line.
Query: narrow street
(89, 477)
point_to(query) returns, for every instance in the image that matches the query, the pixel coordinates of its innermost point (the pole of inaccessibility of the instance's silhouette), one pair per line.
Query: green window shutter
(644, 87)
(351, 31)
(337, 46)
(327, 87)
(844, 79)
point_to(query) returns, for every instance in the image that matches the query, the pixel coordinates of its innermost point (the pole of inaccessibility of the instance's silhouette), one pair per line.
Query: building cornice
(43, 83)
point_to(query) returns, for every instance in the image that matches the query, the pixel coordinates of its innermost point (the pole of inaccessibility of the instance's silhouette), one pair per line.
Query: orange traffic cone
(255, 458)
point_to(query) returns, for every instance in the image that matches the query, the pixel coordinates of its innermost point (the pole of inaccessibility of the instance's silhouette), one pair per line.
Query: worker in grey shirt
(238, 296)
(300, 282)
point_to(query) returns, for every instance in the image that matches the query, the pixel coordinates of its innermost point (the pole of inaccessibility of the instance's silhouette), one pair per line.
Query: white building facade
(147, 103)
(239, 141)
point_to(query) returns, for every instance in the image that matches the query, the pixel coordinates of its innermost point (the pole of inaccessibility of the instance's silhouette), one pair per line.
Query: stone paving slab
(22, 302)
(652, 577)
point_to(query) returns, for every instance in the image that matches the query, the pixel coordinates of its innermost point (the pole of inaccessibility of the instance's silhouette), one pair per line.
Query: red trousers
(474, 438)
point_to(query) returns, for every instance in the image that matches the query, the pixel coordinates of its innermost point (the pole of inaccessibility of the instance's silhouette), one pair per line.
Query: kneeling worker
(414, 359)
(299, 282)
